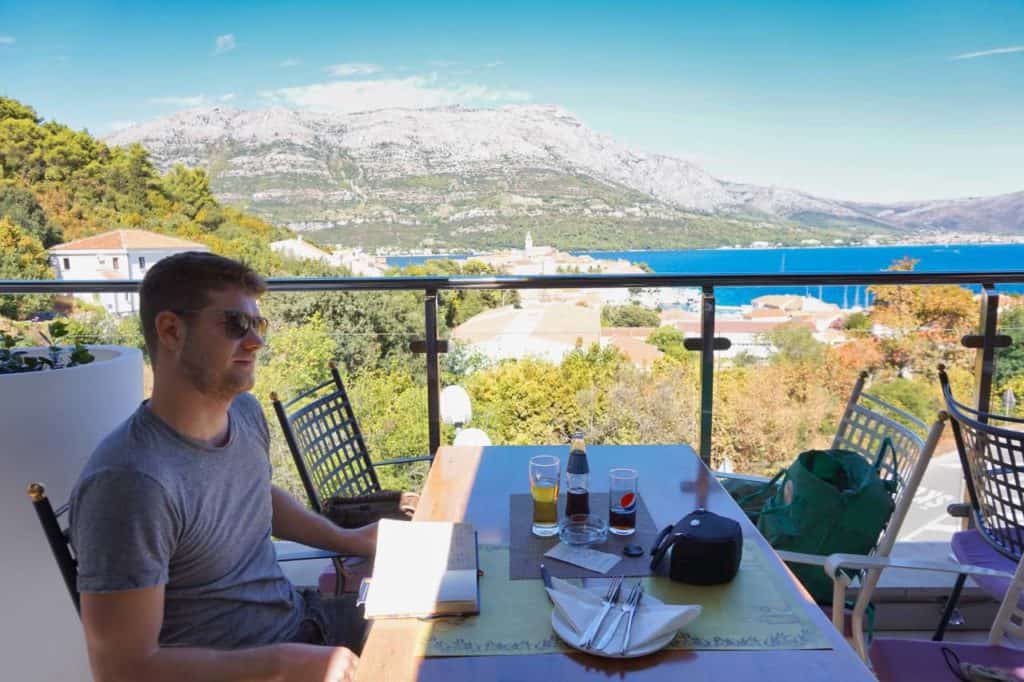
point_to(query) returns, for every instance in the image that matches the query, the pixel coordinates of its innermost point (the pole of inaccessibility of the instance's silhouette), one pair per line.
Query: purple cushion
(970, 547)
(902, 659)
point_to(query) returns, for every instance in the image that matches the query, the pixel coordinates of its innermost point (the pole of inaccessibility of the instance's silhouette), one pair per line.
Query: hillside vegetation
(58, 184)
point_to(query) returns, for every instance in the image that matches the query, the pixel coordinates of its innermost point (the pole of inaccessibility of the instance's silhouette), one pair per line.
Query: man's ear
(170, 331)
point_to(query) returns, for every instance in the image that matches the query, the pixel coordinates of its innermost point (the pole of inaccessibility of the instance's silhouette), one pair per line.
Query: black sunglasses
(237, 323)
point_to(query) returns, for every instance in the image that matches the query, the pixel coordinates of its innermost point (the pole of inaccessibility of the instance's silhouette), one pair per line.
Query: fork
(610, 598)
(606, 638)
(630, 608)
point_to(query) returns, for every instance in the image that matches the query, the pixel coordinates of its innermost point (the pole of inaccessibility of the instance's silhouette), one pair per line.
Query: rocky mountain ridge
(457, 176)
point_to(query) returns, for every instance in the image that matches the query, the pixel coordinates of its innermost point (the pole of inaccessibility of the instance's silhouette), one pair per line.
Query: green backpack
(829, 501)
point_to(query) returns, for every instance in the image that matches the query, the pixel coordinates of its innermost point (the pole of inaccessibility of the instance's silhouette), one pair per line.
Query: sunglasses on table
(237, 323)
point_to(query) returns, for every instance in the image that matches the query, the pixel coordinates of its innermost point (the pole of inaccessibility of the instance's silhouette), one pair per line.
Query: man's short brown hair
(184, 281)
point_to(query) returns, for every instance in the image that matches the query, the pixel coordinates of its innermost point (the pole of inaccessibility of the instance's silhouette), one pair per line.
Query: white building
(121, 254)
(357, 261)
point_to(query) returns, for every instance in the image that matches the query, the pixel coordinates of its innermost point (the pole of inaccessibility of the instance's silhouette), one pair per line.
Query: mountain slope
(480, 177)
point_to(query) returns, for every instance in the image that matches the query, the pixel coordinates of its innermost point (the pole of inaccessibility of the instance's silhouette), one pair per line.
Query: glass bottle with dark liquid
(577, 478)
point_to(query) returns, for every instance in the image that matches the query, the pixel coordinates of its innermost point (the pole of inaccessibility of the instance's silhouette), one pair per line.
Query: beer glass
(544, 474)
(622, 501)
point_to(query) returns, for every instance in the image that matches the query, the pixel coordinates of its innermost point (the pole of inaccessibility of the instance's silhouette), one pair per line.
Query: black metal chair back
(59, 539)
(992, 458)
(326, 443)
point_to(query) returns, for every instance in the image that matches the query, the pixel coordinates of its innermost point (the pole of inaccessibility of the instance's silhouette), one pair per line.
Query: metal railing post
(707, 370)
(985, 342)
(433, 369)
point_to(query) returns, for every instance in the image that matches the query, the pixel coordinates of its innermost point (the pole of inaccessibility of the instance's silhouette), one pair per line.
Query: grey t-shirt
(154, 507)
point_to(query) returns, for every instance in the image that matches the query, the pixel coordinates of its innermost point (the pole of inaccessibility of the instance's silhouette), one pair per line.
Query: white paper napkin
(579, 607)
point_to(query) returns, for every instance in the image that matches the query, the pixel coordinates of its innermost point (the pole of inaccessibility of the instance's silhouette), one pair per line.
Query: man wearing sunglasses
(173, 515)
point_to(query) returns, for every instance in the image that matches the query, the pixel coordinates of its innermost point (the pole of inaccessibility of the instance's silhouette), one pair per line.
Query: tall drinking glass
(622, 501)
(544, 474)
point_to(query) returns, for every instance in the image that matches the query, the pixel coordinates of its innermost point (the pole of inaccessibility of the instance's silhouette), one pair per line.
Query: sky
(869, 101)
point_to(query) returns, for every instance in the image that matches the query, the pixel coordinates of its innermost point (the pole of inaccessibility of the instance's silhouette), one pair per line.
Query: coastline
(1004, 240)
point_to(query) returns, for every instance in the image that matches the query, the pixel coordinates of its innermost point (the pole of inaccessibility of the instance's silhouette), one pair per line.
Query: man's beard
(222, 385)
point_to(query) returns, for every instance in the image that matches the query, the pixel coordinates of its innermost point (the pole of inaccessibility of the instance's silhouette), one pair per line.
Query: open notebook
(423, 568)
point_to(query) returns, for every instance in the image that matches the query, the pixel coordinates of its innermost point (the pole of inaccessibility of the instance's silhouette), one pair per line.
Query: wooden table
(473, 484)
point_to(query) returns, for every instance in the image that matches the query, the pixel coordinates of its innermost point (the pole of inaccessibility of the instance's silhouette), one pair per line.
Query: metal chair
(899, 659)
(868, 425)
(992, 459)
(325, 441)
(331, 457)
(59, 540)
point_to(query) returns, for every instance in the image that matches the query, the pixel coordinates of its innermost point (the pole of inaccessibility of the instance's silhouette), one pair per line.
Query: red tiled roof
(637, 351)
(119, 240)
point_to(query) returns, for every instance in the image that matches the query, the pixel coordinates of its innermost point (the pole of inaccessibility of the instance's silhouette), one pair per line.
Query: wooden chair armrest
(860, 562)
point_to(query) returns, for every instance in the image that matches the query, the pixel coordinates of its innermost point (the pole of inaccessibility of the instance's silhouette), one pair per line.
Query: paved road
(927, 519)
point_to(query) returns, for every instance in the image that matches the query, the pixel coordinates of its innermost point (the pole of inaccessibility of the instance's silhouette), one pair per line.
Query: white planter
(50, 422)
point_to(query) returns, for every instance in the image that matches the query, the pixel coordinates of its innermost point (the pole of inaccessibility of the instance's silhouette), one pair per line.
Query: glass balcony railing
(746, 385)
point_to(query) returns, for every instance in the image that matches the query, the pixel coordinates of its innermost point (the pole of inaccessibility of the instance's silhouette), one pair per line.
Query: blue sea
(834, 260)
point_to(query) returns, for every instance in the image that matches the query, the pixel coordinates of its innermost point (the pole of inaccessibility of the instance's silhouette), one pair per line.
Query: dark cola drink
(577, 501)
(622, 522)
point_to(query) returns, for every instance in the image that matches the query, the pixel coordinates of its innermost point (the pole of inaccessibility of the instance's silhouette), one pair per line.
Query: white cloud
(7, 40)
(988, 53)
(227, 97)
(289, 63)
(495, 63)
(224, 43)
(415, 92)
(443, 63)
(116, 126)
(353, 69)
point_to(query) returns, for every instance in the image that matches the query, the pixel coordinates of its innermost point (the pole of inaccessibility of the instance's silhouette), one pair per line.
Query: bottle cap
(577, 456)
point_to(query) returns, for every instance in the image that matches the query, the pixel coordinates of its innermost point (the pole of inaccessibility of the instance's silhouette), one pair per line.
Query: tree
(13, 109)
(22, 256)
(20, 205)
(629, 315)
(858, 322)
(794, 342)
(189, 187)
(924, 324)
(1009, 361)
(669, 341)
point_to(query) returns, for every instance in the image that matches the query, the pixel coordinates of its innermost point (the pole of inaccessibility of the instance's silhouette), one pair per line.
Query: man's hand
(308, 663)
(362, 541)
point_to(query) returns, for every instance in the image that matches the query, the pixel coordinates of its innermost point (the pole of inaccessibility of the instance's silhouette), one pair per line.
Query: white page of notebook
(413, 569)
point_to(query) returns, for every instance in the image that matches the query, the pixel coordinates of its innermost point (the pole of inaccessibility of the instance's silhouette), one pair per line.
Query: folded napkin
(652, 621)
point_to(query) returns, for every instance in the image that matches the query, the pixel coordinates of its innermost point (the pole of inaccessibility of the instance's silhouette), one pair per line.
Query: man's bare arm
(122, 634)
(293, 521)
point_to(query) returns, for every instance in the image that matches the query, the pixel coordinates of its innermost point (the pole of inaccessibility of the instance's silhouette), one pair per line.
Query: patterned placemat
(527, 550)
(753, 612)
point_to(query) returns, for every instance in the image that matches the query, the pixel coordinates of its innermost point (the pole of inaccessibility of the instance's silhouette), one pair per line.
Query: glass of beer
(544, 473)
(622, 501)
